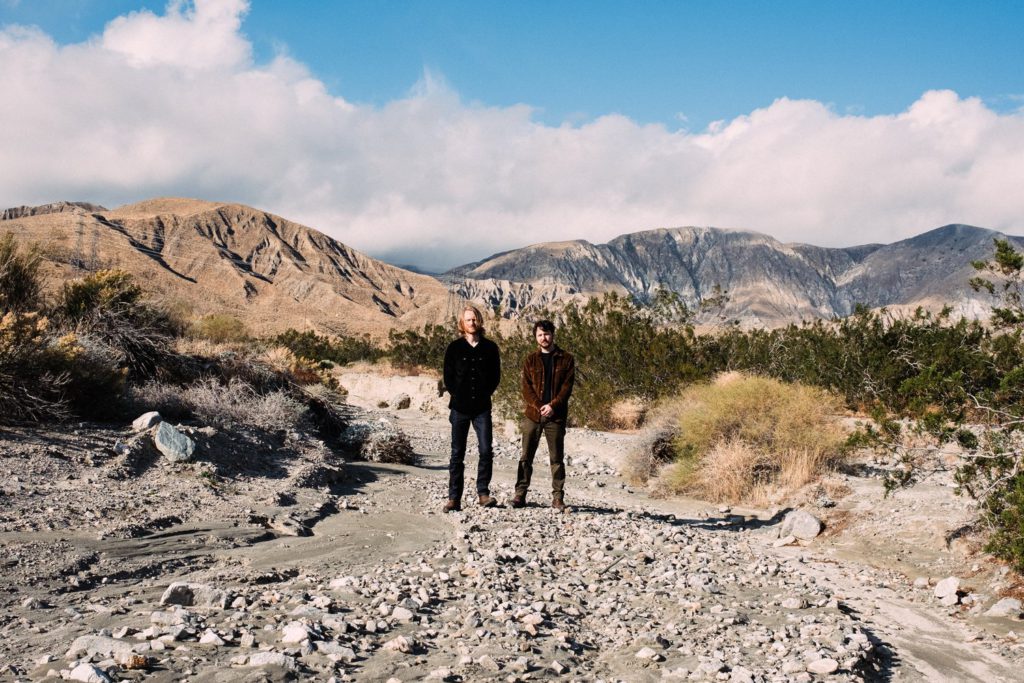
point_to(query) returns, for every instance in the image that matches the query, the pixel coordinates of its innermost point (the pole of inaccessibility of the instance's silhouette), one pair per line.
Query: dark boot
(488, 501)
(519, 500)
(558, 503)
(452, 505)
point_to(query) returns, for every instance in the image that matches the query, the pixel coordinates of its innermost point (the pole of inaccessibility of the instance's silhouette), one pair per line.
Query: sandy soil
(83, 552)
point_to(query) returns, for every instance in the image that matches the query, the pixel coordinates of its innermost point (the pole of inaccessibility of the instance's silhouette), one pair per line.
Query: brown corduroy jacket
(563, 376)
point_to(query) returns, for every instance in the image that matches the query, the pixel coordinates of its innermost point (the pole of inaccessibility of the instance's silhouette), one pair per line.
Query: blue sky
(678, 63)
(438, 132)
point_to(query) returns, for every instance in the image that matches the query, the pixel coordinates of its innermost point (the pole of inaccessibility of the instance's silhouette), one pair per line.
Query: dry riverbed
(118, 567)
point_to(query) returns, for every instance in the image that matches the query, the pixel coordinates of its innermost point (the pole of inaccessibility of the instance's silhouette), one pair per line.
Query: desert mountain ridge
(768, 282)
(213, 257)
(275, 274)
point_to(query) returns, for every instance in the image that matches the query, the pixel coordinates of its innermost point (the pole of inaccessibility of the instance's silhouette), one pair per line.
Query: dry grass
(627, 413)
(238, 403)
(751, 439)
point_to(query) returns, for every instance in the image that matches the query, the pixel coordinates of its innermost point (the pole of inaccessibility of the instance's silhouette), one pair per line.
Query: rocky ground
(269, 558)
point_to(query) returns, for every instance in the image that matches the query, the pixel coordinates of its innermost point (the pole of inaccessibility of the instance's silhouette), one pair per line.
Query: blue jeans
(456, 466)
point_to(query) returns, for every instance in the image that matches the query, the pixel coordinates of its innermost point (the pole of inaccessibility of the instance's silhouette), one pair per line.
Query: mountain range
(768, 283)
(275, 274)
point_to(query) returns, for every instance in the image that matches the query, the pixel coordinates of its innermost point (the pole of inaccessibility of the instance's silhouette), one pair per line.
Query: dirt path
(624, 588)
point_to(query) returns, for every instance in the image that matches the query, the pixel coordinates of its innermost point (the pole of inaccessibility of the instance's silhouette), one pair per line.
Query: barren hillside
(227, 258)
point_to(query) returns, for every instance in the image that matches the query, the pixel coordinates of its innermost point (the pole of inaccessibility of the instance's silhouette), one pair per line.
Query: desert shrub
(166, 399)
(379, 441)
(412, 349)
(299, 370)
(341, 350)
(220, 328)
(742, 438)
(239, 403)
(33, 371)
(21, 283)
(108, 308)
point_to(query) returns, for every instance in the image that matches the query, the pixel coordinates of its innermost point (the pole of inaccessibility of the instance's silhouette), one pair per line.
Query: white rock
(402, 614)
(195, 595)
(146, 420)
(646, 653)
(89, 674)
(210, 637)
(947, 587)
(272, 659)
(558, 667)
(801, 524)
(399, 644)
(1007, 607)
(99, 645)
(295, 632)
(823, 667)
(794, 603)
(488, 662)
(785, 540)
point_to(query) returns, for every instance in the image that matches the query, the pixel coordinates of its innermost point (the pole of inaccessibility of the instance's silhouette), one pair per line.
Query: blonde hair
(479, 320)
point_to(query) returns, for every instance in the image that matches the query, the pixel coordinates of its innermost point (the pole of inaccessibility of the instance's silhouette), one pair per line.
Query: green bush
(341, 350)
(413, 349)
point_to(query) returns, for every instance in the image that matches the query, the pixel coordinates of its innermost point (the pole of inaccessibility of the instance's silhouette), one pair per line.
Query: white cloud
(174, 105)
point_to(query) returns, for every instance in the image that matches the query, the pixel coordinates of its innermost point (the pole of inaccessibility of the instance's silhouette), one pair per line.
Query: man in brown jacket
(548, 377)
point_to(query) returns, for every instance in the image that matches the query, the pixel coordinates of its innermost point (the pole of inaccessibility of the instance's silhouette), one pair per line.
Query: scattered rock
(401, 402)
(88, 674)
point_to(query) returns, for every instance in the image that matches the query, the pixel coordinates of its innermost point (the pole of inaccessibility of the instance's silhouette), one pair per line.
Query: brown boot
(519, 500)
(488, 501)
(452, 505)
(557, 503)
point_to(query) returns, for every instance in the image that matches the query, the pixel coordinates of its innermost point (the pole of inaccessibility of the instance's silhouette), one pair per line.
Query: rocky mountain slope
(768, 282)
(227, 258)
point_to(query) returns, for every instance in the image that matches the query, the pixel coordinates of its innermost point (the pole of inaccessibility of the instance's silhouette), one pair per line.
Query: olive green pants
(554, 432)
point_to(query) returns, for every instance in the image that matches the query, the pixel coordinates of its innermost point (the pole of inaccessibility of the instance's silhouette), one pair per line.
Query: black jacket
(471, 374)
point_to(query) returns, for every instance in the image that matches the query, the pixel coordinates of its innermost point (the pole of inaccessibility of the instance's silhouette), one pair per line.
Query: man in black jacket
(472, 370)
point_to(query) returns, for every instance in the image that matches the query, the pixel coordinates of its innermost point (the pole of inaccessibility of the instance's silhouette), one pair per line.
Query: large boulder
(172, 444)
(801, 524)
(195, 595)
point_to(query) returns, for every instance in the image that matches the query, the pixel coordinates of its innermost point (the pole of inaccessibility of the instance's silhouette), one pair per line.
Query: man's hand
(546, 410)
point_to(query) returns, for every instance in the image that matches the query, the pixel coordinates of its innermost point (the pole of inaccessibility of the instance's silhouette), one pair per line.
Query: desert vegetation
(99, 348)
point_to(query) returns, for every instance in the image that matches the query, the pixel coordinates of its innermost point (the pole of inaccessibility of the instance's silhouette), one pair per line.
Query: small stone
(646, 653)
(401, 402)
(823, 667)
(272, 659)
(558, 667)
(210, 637)
(88, 674)
(487, 662)
(294, 632)
(794, 603)
(785, 540)
(399, 644)
(402, 614)
(921, 582)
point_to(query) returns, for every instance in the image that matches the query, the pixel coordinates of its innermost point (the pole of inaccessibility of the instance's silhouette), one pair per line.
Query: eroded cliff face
(269, 271)
(768, 282)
